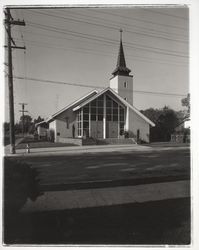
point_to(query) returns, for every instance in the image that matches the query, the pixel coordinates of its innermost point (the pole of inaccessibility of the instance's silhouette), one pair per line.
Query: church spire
(121, 68)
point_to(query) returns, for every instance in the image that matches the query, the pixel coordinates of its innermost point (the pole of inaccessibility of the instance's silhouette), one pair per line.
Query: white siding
(41, 131)
(52, 126)
(118, 83)
(60, 126)
(135, 123)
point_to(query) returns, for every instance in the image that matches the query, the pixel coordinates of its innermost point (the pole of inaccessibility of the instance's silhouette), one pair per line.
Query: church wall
(135, 123)
(59, 126)
(123, 85)
(52, 127)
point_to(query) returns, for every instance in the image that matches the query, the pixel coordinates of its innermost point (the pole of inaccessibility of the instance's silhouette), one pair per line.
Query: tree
(39, 119)
(186, 103)
(26, 121)
(165, 120)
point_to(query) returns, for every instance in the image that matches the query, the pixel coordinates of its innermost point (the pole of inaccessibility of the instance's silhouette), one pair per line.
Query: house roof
(121, 68)
(40, 123)
(121, 100)
(77, 102)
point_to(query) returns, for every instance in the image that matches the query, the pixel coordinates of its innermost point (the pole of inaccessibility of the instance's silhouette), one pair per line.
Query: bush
(51, 135)
(20, 183)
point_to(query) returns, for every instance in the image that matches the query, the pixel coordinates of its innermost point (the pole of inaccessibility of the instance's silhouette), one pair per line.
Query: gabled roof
(40, 123)
(121, 100)
(77, 102)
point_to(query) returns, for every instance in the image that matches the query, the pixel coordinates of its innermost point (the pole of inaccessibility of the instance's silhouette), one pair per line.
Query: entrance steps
(108, 141)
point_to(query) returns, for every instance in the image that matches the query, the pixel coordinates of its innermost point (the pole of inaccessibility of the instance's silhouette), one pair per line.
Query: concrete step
(111, 141)
(89, 141)
(114, 141)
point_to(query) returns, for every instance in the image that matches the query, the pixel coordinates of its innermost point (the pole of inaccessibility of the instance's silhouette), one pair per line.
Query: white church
(103, 115)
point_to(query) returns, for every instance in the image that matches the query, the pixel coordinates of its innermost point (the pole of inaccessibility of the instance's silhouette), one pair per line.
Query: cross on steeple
(121, 34)
(121, 68)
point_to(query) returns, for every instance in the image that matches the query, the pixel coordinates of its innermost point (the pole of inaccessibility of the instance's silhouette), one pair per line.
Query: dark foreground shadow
(160, 222)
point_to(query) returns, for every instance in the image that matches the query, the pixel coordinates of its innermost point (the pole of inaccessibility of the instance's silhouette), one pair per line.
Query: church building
(101, 115)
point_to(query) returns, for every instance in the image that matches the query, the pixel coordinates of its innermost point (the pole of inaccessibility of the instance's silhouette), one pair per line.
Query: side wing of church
(106, 114)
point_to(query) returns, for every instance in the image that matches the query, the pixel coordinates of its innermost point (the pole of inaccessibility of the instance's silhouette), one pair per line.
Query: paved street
(57, 172)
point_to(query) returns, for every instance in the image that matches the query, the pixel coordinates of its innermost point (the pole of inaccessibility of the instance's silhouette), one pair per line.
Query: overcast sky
(79, 46)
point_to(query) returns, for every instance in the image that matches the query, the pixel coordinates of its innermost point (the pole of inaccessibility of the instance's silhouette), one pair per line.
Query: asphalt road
(110, 168)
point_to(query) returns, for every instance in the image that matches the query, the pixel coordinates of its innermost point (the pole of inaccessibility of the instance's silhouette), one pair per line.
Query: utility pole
(8, 22)
(23, 111)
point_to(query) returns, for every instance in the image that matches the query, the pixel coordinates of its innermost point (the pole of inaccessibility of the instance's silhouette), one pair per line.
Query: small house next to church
(101, 115)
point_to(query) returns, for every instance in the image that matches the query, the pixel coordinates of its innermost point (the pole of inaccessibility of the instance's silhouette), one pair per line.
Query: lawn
(34, 143)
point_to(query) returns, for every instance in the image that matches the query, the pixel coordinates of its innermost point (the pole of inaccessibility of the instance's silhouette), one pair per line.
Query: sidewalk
(60, 200)
(7, 147)
(77, 150)
(88, 149)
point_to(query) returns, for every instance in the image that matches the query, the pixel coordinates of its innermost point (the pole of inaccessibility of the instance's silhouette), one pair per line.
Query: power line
(108, 27)
(103, 39)
(94, 52)
(131, 25)
(64, 38)
(165, 14)
(140, 20)
(94, 86)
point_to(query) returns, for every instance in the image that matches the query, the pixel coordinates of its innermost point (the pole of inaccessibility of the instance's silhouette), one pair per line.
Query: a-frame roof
(75, 103)
(125, 103)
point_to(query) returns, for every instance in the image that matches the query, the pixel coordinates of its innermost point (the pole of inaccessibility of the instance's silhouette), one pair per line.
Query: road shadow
(150, 223)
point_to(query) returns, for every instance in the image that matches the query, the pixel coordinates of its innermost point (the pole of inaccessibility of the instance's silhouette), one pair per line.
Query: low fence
(180, 138)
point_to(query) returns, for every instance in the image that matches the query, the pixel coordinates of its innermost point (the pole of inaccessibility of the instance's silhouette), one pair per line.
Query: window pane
(115, 118)
(93, 117)
(109, 103)
(121, 110)
(86, 117)
(86, 109)
(93, 111)
(100, 103)
(100, 117)
(115, 105)
(100, 111)
(101, 97)
(108, 117)
(121, 118)
(86, 124)
(115, 111)
(108, 98)
(93, 103)
(108, 111)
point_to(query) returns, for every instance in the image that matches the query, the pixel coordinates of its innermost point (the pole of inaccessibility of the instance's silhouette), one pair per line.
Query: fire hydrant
(27, 148)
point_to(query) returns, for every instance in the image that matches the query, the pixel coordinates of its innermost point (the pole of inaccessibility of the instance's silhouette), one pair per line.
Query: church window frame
(79, 123)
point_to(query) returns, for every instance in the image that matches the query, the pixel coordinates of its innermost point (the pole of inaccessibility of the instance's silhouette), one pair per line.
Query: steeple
(121, 68)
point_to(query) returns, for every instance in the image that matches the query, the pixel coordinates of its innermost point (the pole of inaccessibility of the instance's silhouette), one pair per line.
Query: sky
(77, 47)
